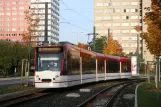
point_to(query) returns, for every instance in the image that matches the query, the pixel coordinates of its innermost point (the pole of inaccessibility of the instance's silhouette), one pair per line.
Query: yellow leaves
(137, 28)
(113, 48)
(153, 35)
(32, 21)
(84, 46)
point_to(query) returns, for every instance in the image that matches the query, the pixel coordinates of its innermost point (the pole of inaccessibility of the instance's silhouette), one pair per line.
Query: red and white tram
(68, 65)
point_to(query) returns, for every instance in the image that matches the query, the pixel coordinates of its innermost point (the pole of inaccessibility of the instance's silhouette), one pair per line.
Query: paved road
(4, 82)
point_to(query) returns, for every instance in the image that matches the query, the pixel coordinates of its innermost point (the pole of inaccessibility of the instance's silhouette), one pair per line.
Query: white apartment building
(48, 12)
(120, 16)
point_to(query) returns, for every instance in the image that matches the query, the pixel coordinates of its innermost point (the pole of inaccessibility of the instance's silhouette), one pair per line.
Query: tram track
(58, 97)
(17, 98)
(105, 97)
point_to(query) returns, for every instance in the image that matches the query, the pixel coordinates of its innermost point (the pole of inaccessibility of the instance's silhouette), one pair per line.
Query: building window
(125, 31)
(136, 10)
(13, 2)
(117, 10)
(7, 2)
(134, 24)
(1, 8)
(8, 14)
(1, 2)
(7, 8)
(116, 31)
(127, 17)
(7, 29)
(98, 4)
(21, 18)
(133, 38)
(125, 38)
(134, 3)
(132, 10)
(14, 29)
(7, 24)
(13, 24)
(14, 8)
(125, 24)
(14, 18)
(21, 8)
(125, 3)
(134, 17)
(2, 14)
(134, 31)
(107, 18)
(108, 24)
(116, 17)
(115, 3)
(116, 24)
(98, 18)
(1, 29)
(1, 24)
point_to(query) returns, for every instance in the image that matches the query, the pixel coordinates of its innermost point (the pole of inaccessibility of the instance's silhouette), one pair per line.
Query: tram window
(112, 66)
(50, 62)
(100, 66)
(125, 67)
(72, 65)
(88, 64)
(75, 65)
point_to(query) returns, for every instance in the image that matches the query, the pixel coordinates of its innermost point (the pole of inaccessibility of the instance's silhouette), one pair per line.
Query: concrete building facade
(12, 22)
(48, 12)
(121, 17)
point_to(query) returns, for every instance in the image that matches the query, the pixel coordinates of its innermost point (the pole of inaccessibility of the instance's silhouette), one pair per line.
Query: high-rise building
(121, 17)
(48, 13)
(12, 22)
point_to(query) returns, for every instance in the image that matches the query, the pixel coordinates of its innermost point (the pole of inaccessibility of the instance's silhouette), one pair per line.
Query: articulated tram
(67, 65)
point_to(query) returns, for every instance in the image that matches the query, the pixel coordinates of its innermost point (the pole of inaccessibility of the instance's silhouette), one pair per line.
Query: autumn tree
(32, 20)
(113, 47)
(153, 35)
(84, 46)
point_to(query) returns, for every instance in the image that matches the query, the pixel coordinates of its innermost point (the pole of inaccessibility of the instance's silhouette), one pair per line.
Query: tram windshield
(51, 62)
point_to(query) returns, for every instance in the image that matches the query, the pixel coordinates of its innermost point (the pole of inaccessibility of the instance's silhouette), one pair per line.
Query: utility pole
(94, 38)
(46, 42)
(157, 74)
(158, 71)
(108, 34)
(138, 53)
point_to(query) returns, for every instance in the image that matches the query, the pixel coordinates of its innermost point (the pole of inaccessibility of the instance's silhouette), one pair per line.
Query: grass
(12, 89)
(148, 95)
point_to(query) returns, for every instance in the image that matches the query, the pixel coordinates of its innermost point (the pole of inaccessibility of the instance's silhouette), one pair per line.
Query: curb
(14, 93)
(15, 78)
(136, 91)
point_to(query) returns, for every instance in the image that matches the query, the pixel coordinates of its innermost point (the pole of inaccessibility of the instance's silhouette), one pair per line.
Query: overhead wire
(76, 12)
(72, 24)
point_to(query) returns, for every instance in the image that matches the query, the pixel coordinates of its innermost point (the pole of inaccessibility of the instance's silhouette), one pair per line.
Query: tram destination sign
(50, 49)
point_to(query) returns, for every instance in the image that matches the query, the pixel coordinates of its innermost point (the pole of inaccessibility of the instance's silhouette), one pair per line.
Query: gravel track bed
(126, 98)
(59, 99)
